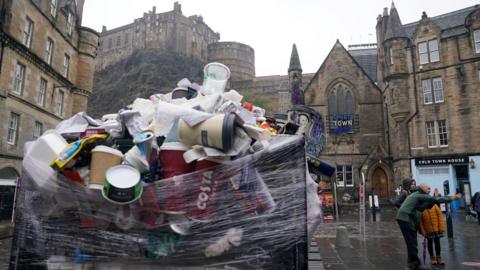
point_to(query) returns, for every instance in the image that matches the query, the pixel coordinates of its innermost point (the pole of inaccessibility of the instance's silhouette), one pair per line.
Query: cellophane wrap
(251, 215)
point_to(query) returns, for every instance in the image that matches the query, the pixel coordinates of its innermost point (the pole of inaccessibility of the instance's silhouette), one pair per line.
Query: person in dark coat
(409, 215)
(408, 186)
(476, 205)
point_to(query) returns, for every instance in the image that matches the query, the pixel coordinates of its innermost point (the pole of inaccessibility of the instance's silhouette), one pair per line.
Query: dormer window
(428, 51)
(476, 38)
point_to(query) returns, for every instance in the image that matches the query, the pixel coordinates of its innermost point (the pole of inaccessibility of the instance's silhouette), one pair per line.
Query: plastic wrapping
(249, 213)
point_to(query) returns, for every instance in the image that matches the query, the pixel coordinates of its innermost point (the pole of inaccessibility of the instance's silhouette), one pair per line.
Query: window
(118, 41)
(19, 79)
(42, 92)
(437, 134)
(109, 43)
(53, 7)
(13, 128)
(435, 96)
(69, 23)
(37, 130)
(49, 51)
(59, 102)
(126, 38)
(66, 65)
(428, 51)
(344, 176)
(437, 89)
(476, 39)
(340, 100)
(390, 52)
(27, 32)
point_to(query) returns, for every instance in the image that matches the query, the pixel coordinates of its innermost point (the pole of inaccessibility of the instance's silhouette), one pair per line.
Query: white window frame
(437, 131)
(437, 85)
(49, 51)
(27, 32)
(342, 173)
(42, 92)
(59, 102)
(427, 91)
(69, 23)
(19, 79)
(13, 126)
(53, 8)
(428, 51)
(66, 65)
(37, 130)
(476, 40)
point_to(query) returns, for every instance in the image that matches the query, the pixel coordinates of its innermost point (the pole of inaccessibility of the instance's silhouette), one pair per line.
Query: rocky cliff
(144, 73)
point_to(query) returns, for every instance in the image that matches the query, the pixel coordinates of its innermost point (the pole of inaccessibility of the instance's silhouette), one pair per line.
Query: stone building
(344, 92)
(429, 76)
(46, 72)
(169, 31)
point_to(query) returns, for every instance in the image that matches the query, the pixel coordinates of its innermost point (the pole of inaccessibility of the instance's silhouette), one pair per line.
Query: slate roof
(394, 29)
(451, 24)
(367, 59)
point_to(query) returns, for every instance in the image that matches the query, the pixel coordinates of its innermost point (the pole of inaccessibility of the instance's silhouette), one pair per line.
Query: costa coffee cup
(103, 157)
(122, 185)
(203, 193)
(150, 213)
(173, 189)
(217, 132)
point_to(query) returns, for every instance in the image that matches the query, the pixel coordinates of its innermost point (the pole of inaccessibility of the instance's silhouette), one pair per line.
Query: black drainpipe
(385, 114)
(413, 49)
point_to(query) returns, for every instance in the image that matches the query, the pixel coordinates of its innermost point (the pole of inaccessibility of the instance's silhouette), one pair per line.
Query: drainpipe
(385, 114)
(413, 51)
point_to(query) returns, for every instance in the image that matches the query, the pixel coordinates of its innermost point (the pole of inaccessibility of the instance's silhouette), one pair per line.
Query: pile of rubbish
(195, 177)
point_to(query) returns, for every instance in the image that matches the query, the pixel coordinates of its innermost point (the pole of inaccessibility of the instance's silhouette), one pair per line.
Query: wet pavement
(382, 245)
(5, 252)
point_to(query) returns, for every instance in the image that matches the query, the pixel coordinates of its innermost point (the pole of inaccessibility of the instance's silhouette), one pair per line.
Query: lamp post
(448, 213)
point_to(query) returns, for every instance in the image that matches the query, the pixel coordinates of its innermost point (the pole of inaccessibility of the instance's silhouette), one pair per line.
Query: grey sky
(271, 27)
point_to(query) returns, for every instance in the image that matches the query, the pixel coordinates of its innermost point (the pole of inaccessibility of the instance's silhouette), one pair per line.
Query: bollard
(342, 239)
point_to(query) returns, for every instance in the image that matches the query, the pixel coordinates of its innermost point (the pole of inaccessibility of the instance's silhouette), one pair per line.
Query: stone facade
(240, 59)
(37, 93)
(169, 31)
(429, 75)
(342, 92)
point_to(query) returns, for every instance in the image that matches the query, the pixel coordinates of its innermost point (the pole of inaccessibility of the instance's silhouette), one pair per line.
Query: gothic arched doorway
(380, 183)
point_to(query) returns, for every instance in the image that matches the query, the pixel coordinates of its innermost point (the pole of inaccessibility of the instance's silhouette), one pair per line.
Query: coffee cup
(103, 157)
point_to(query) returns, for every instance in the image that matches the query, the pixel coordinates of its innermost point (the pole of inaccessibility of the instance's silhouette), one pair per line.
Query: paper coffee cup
(103, 157)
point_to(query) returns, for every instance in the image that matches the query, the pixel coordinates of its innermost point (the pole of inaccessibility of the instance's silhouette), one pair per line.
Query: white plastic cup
(215, 78)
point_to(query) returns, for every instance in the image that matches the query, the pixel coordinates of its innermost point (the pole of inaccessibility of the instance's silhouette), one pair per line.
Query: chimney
(104, 29)
(379, 18)
(154, 10)
(177, 7)
(79, 7)
(385, 11)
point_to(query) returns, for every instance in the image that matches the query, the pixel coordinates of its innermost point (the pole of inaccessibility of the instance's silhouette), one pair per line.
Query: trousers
(409, 233)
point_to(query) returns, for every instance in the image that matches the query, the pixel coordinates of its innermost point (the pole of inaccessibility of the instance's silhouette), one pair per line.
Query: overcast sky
(271, 27)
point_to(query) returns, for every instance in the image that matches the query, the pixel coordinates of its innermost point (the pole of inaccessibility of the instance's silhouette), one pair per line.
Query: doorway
(380, 183)
(462, 183)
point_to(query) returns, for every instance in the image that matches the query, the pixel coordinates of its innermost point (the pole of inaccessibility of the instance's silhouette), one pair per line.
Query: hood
(406, 183)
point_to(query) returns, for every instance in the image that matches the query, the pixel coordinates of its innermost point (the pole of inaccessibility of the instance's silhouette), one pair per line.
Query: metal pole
(362, 206)
(337, 217)
(14, 200)
(449, 221)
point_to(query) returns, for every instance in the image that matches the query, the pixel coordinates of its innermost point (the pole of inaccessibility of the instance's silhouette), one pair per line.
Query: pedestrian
(409, 215)
(432, 227)
(408, 186)
(476, 204)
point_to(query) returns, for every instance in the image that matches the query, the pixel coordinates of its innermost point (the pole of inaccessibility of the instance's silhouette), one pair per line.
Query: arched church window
(341, 100)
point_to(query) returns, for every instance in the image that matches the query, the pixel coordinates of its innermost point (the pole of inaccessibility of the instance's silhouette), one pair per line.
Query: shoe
(439, 261)
(434, 260)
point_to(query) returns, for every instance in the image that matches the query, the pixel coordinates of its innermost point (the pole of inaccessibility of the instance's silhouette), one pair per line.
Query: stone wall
(240, 58)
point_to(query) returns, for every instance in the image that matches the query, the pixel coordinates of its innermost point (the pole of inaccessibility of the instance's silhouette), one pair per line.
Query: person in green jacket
(409, 215)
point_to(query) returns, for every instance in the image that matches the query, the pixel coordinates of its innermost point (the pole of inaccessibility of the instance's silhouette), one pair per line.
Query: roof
(294, 60)
(451, 24)
(394, 26)
(367, 59)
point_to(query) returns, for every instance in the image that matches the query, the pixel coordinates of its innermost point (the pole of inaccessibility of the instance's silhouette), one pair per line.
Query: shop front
(459, 172)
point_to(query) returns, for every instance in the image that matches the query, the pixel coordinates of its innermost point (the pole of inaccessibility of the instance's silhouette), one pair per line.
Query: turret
(87, 46)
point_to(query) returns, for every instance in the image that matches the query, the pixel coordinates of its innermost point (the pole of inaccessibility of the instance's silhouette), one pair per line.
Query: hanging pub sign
(441, 161)
(343, 123)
